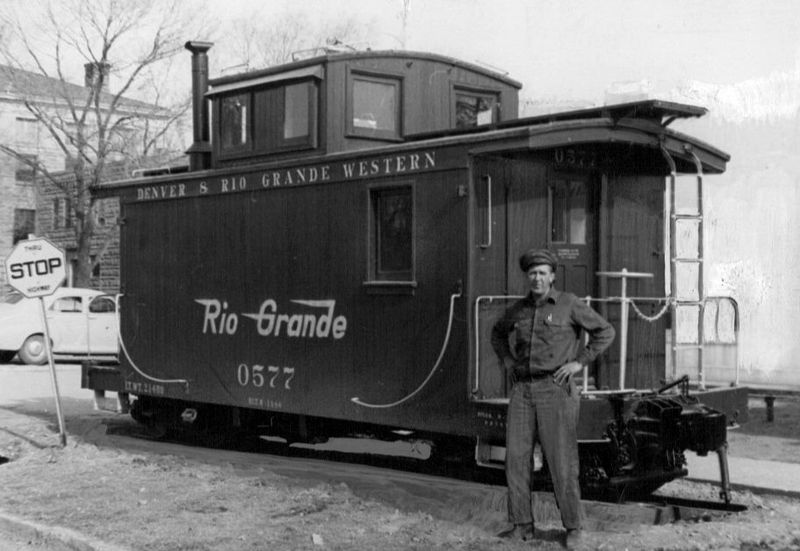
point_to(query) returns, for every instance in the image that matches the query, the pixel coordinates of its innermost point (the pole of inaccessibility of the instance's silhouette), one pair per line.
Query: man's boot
(522, 532)
(575, 539)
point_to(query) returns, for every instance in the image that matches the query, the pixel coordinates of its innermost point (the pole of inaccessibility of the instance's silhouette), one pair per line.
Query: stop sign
(36, 267)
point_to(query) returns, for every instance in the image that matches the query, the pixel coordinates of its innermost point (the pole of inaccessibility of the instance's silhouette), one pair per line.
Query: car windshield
(12, 298)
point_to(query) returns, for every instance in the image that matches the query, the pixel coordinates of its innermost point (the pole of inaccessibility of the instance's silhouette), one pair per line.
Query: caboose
(348, 231)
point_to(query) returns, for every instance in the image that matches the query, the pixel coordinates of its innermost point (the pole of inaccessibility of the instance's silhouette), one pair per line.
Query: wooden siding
(290, 244)
(634, 239)
(427, 95)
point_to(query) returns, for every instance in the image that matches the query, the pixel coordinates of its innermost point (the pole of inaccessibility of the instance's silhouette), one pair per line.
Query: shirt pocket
(557, 329)
(522, 331)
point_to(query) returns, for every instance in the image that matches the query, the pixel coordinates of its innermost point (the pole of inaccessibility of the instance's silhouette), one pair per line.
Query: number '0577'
(260, 376)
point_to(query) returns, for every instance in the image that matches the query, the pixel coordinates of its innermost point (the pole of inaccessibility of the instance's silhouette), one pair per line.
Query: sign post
(36, 268)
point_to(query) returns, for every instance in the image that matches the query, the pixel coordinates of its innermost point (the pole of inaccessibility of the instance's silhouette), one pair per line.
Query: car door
(102, 324)
(66, 321)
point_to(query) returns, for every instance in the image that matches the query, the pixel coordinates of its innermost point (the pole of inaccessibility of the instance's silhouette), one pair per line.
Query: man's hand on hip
(566, 371)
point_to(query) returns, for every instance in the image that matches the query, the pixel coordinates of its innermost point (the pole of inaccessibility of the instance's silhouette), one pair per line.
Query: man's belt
(528, 376)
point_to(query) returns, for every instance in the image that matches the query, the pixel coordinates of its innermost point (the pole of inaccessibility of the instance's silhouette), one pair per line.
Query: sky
(578, 48)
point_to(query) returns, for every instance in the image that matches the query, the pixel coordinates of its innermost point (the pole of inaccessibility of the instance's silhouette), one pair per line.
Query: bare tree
(261, 41)
(90, 125)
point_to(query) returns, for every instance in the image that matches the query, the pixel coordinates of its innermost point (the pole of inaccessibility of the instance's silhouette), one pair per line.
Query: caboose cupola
(348, 101)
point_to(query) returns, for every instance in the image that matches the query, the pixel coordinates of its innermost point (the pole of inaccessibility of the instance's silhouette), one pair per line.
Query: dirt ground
(185, 498)
(778, 440)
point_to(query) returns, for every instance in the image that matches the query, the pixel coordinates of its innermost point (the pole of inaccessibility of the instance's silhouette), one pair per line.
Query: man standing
(537, 341)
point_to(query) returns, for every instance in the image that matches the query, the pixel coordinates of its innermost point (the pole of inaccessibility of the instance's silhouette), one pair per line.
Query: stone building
(30, 204)
(54, 220)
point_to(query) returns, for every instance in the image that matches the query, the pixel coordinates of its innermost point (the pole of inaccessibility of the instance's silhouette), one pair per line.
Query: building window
(62, 213)
(27, 131)
(475, 108)
(26, 168)
(234, 122)
(374, 107)
(568, 212)
(24, 224)
(392, 235)
(95, 266)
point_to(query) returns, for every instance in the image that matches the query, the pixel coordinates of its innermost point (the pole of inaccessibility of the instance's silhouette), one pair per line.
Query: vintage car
(81, 322)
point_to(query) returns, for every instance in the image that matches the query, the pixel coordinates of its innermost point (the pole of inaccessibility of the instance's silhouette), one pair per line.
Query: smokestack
(200, 151)
(96, 73)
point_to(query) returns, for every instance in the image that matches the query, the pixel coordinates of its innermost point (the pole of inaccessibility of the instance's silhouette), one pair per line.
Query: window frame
(23, 172)
(459, 89)
(62, 213)
(389, 281)
(567, 220)
(267, 118)
(29, 213)
(102, 299)
(396, 81)
(311, 139)
(245, 147)
(75, 301)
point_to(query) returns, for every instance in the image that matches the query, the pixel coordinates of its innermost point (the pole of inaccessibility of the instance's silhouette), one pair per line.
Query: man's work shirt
(544, 334)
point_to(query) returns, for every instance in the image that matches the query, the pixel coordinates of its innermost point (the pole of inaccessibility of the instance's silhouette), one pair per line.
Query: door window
(102, 305)
(69, 305)
(568, 212)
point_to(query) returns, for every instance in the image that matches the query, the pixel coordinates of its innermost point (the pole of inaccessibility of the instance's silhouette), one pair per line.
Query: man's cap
(536, 257)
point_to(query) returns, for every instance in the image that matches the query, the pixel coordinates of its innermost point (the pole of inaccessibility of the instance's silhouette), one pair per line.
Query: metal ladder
(679, 302)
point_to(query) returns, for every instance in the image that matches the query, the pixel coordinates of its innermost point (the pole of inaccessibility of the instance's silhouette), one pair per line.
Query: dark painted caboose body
(332, 268)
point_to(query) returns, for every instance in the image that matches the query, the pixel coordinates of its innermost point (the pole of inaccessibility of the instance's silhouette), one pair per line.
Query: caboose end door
(521, 203)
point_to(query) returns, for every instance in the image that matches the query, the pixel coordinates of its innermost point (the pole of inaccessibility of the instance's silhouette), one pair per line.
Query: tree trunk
(82, 276)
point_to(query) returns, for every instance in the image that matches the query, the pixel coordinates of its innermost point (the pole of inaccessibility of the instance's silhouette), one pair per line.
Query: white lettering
(216, 319)
(263, 317)
(269, 322)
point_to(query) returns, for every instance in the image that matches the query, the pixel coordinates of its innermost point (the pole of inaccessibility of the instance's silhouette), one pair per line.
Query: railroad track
(444, 490)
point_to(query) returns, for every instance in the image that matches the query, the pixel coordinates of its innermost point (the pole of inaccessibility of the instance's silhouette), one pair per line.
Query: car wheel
(7, 355)
(33, 351)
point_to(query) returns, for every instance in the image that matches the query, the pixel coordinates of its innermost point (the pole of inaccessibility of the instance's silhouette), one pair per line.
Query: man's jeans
(541, 409)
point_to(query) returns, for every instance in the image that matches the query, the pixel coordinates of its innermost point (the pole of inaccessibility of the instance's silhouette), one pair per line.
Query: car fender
(14, 330)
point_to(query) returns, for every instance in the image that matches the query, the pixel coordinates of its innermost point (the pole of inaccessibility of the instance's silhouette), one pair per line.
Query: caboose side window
(374, 107)
(295, 111)
(234, 122)
(299, 115)
(391, 239)
(474, 108)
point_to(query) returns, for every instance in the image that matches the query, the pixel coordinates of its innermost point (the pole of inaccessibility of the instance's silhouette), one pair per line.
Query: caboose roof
(293, 69)
(659, 112)
(638, 124)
